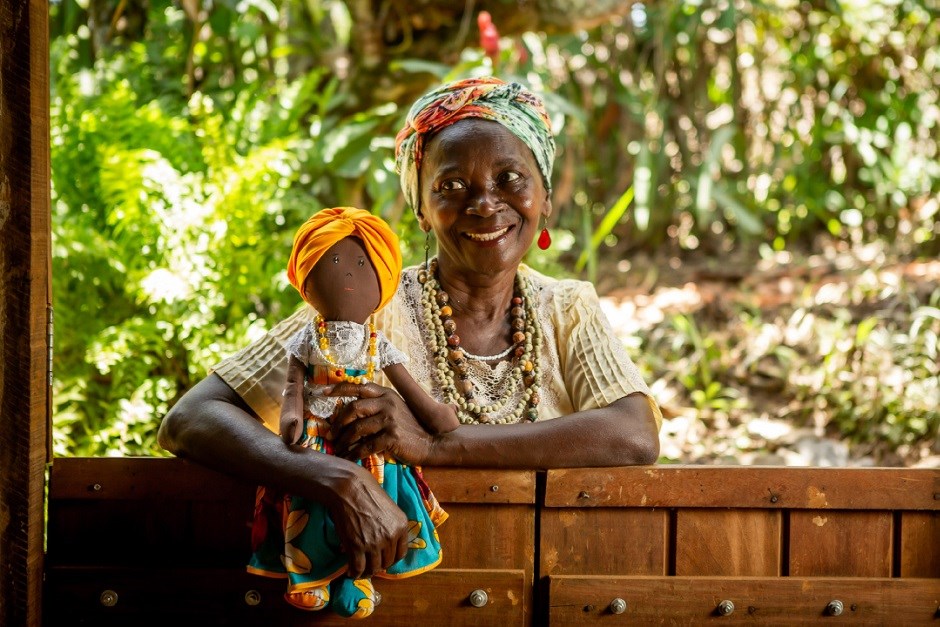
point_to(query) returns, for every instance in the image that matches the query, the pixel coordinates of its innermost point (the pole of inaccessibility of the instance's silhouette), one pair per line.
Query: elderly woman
(539, 378)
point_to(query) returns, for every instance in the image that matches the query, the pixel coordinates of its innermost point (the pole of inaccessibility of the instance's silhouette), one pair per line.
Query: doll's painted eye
(362, 262)
(335, 258)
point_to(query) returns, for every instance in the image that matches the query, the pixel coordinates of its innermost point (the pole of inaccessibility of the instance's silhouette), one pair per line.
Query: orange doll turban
(329, 226)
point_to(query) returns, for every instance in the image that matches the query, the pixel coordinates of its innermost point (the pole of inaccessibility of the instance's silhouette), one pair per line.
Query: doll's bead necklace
(340, 371)
(452, 370)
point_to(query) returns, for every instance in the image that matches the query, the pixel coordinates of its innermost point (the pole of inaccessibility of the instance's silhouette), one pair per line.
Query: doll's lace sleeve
(387, 353)
(301, 343)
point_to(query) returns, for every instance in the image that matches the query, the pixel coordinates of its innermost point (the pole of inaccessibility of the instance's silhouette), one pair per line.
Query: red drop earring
(545, 239)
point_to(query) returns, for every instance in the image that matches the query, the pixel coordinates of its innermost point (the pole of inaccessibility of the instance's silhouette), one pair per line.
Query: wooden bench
(140, 541)
(767, 545)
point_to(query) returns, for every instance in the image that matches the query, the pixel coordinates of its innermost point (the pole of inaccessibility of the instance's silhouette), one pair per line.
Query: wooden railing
(161, 541)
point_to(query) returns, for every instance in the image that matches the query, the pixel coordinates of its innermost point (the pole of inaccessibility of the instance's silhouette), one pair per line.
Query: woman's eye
(509, 177)
(452, 185)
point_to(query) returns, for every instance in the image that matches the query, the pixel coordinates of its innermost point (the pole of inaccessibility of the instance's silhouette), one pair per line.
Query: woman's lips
(488, 236)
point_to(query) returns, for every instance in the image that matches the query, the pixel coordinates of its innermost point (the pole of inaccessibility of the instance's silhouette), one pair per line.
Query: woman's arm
(212, 425)
(621, 434)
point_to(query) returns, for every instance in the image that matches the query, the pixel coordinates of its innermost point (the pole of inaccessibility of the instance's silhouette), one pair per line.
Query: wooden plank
(920, 544)
(112, 478)
(745, 486)
(24, 300)
(476, 536)
(602, 541)
(173, 512)
(475, 485)
(140, 478)
(757, 600)
(171, 533)
(145, 596)
(735, 542)
(849, 544)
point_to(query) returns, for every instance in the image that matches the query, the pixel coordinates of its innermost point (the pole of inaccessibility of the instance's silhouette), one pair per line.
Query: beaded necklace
(451, 367)
(343, 372)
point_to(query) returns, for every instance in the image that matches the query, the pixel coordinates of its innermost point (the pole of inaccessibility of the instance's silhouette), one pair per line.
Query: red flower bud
(489, 36)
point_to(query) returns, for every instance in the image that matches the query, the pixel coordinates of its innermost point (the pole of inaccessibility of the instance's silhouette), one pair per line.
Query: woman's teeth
(487, 237)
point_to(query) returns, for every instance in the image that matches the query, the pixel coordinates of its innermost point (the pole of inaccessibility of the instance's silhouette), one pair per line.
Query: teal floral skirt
(294, 538)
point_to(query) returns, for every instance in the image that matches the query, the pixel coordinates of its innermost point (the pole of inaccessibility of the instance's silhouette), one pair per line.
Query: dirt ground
(641, 294)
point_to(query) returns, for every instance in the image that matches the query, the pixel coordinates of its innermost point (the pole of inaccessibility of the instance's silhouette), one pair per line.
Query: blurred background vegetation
(773, 166)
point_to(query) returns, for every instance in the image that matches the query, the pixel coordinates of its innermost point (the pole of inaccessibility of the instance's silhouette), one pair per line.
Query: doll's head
(346, 263)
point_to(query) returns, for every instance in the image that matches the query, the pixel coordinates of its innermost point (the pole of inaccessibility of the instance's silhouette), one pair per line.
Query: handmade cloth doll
(346, 264)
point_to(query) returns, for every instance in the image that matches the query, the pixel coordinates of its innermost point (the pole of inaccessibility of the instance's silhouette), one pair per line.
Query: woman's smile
(482, 236)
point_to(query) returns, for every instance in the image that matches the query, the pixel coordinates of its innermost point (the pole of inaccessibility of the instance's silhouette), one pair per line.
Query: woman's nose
(484, 203)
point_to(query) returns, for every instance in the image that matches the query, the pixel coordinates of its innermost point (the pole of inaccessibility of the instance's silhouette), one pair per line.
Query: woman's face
(482, 193)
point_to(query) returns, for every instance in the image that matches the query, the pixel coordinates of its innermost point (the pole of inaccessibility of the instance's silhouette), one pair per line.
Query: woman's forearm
(210, 425)
(621, 434)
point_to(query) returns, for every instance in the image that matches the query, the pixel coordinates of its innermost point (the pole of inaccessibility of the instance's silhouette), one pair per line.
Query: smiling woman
(531, 363)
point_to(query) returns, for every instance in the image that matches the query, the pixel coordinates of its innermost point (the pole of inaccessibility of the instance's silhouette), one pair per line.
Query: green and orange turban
(510, 104)
(326, 227)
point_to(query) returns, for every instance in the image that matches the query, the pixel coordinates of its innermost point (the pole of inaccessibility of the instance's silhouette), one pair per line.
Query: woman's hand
(378, 421)
(372, 530)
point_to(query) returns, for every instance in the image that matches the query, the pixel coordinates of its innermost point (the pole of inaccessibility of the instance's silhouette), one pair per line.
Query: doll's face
(343, 285)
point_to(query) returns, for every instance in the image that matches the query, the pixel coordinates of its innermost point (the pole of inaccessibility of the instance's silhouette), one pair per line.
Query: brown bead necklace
(452, 371)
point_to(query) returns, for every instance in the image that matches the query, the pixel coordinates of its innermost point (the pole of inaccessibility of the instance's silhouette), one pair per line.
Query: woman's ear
(547, 207)
(423, 222)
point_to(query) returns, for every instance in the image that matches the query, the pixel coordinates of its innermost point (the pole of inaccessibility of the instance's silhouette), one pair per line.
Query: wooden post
(24, 300)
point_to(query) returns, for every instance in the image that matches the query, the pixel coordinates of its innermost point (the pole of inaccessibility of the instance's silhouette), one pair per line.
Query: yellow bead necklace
(340, 372)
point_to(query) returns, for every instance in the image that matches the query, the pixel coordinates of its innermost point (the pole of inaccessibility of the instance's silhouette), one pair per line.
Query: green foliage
(768, 121)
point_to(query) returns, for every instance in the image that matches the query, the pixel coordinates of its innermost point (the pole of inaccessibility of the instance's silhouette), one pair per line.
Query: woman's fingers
(402, 548)
(357, 564)
(359, 390)
(357, 427)
(364, 447)
(371, 527)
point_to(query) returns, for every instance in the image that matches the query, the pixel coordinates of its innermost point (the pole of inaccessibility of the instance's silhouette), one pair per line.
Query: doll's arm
(292, 410)
(435, 417)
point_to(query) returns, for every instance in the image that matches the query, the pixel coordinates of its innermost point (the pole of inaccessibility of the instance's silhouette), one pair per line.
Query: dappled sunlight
(827, 364)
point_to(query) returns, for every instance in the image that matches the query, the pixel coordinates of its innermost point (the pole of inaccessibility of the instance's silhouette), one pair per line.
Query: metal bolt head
(725, 608)
(108, 598)
(494, 488)
(618, 606)
(835, 608)
(479, 598)
(252, 598)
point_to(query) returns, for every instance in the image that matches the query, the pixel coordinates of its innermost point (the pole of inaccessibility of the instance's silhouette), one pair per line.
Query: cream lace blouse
(584, 365)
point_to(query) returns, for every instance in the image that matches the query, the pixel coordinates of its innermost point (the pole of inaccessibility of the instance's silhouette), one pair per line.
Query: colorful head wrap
(510, 104)
(329, 226)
